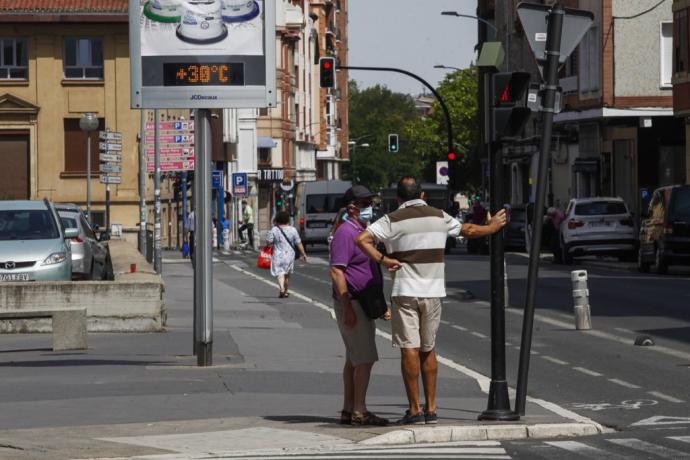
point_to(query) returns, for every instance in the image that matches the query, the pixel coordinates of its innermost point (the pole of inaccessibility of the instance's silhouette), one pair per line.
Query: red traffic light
(451, 156)
(327, 72)
(327, 64)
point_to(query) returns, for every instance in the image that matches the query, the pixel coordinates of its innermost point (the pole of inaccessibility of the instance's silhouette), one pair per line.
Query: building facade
(681, 71)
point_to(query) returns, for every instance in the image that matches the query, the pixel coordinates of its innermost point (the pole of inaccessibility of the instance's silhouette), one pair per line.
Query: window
(27, 224)
(590, 60)
(13, 59)
(75, 147)
(600, 208)
(83, 58)
(680, 41)
(666, 63)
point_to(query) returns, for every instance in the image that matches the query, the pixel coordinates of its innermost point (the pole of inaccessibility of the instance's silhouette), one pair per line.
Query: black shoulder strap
(287, 239)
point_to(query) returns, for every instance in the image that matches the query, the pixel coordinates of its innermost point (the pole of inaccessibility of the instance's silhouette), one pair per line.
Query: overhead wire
(641, 13)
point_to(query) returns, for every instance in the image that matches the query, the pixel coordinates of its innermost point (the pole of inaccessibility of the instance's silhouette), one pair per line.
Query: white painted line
(584, 370)
(622, 329)
(648, 447)
(624, 383)
(680, 438)
(556, 360)
(443, 321)
(665, 397)
(459, 328)
(479, 334)
(534, 353)
(604, 335)
(582, 449)
(482, 380)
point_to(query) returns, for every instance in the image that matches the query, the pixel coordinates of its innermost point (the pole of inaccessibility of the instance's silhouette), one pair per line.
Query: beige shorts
(360, 341)
(415, 321)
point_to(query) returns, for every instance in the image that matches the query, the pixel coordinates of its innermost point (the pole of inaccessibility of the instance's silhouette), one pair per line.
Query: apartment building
(616, 134)
(681, 70)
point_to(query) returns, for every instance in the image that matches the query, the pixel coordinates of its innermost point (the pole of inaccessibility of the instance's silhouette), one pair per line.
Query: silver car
(89, 255)
(33, 244)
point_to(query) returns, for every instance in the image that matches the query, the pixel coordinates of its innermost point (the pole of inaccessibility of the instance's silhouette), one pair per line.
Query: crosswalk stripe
(584, 449)
(648, 447)
(680, 438)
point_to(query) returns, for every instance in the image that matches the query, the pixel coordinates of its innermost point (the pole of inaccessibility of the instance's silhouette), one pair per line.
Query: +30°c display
(211, 74)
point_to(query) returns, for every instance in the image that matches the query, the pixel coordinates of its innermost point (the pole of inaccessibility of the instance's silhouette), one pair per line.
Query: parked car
(34, 245)
(90, 256)
(515, 228)
(600, 226)
(665, 230)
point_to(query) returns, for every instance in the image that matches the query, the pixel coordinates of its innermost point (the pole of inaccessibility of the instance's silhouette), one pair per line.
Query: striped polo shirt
(415, 234)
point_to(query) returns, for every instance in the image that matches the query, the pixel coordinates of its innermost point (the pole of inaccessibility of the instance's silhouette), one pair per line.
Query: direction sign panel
(110, 136)
(110, 168)
(240, 184)
(114, 157)
(108, 179)
(109, 146)
(211, 54)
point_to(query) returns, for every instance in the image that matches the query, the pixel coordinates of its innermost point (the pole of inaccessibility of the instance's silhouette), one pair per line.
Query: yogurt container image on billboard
(202, 22)
(163, 10)
(240, 10)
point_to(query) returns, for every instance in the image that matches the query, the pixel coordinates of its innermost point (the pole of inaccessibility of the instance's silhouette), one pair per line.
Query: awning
(264, 142)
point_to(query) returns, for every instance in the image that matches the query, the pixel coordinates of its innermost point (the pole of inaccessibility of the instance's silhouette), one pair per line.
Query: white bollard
(226, 239)
(583, 318)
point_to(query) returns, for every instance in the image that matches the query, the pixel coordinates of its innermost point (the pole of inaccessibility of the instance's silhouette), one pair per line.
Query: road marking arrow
(662, 420)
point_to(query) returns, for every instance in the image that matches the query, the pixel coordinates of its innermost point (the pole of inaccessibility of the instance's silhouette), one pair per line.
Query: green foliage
(376, 112)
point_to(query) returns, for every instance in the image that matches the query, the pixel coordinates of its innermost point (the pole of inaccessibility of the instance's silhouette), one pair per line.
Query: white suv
(601, 226)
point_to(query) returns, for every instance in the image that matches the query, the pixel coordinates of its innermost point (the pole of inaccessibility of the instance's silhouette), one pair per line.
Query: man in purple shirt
(351, 272)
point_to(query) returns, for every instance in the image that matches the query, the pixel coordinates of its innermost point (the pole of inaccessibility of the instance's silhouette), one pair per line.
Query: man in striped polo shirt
(415, 238)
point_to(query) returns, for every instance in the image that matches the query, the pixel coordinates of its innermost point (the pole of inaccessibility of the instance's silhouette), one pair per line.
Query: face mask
(366, 214)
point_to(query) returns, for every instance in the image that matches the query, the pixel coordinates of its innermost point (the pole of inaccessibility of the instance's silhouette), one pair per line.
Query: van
(319, 203)
(665, 230)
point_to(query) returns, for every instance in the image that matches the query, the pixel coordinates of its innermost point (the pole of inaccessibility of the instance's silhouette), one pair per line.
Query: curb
(484, 433)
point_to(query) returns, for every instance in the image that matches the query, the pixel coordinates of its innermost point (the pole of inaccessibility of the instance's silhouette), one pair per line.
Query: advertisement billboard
(202, 54)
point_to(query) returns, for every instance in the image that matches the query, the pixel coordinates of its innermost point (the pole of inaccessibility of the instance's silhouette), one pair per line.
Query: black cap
(357, 192)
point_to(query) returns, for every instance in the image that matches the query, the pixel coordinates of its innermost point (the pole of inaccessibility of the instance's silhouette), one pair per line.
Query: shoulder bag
(372, 300)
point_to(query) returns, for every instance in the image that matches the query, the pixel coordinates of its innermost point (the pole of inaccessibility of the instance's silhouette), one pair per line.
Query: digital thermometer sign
(203, 74)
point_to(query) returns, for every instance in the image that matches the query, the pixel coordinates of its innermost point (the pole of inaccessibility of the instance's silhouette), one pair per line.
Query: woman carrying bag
(286, 244)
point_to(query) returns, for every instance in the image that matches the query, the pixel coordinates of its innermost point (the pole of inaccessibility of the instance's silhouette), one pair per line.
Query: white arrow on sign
(110, 168)
(662, 420)
(116, 157)
(109, 136)
(103, 146)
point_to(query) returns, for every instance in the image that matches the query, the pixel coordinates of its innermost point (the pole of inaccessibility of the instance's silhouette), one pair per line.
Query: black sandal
(368, 418)
(345, 417)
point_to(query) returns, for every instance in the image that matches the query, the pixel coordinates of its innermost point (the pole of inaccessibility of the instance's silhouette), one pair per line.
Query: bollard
(583, 318)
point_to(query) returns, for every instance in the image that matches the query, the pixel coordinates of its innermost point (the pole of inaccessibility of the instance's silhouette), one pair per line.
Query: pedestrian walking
(285, 241)
(415, 236)
(191, 222)
(554, 218)
(247, 223)
(352, 272)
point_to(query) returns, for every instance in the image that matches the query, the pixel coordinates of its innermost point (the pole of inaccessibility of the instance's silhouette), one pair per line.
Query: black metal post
(553, 46)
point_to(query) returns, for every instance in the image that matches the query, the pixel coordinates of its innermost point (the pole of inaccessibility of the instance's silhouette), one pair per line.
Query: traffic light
(280, 200)
(393, 143)
(451, 156)
(452, 170)
(327, 72)
(509, 113)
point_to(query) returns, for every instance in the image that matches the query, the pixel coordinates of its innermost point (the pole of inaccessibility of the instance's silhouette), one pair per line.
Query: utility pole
(157, 260)
(142, 182)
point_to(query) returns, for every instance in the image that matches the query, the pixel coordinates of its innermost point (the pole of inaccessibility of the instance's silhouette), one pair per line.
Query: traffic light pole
(449, 126)
(553, 46)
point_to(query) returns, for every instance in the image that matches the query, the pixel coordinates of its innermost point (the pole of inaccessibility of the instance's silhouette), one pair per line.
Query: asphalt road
(600, 374)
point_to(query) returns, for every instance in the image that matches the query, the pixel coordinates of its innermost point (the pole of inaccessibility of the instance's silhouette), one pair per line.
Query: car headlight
(55, 258)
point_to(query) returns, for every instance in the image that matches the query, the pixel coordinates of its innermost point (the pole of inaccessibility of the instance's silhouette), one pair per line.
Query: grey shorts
(415, 321)
(360, 341)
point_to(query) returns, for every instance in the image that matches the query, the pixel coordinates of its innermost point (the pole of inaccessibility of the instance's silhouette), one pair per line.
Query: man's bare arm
(493, 225)
(366, 243)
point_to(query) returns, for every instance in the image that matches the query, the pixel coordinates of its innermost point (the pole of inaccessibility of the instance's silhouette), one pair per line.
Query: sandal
(345, 417)
(368, 418)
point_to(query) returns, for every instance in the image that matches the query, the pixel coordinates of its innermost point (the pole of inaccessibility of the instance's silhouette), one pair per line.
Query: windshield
(600, 208)
(34, 224)
(680, 205)
(323, 203)
(68, 222)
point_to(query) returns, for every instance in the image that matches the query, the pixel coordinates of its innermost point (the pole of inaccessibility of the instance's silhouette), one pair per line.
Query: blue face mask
(366, 214)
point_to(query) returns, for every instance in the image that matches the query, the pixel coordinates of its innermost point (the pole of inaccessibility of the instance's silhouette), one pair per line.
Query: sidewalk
(275, 384)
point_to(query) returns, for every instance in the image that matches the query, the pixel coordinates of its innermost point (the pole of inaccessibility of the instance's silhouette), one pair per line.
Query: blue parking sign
(240, 184)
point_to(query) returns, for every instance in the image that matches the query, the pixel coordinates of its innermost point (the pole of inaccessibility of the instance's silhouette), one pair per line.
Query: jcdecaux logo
(200, 97)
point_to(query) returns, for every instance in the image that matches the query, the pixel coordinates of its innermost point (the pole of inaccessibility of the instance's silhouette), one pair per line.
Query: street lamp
(447, 67)
(455, 13)
(88, 122)
(354, 146)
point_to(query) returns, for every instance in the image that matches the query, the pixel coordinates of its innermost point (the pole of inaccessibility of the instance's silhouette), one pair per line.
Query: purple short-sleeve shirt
(360, 270)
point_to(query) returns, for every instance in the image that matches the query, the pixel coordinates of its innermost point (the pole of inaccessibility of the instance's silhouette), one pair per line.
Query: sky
(411, 35)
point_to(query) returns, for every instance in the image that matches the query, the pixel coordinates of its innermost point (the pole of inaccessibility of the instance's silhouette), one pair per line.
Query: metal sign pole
(142, 183)
(88, 178)
(157, 195)
(553, 46)
(204, 294)
(196, 261)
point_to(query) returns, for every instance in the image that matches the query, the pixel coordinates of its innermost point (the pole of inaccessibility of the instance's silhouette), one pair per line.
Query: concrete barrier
(133, 302)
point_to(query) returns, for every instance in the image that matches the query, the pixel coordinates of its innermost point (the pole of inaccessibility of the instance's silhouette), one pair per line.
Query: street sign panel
(109, 146)
(216, 179)
(240, 185)
(110, 168)
(534, 19)
(110, 136)
(108, 179)
(442, 172)
(188, 54)
(114, 157)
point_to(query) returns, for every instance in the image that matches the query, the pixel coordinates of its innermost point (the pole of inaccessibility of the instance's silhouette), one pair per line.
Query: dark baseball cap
(357, 192)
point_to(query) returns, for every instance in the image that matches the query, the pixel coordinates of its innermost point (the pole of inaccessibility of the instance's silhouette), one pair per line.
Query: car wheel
(566, 258)
(92, 272)
(660, 262)
(642, 266)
